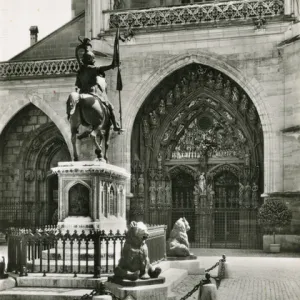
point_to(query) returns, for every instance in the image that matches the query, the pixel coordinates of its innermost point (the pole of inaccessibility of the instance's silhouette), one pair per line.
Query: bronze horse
(90, 112)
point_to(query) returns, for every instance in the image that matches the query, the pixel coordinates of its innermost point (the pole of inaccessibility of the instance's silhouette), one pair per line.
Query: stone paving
(255, 275)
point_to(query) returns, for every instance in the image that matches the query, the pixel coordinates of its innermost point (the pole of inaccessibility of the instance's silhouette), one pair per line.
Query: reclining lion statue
(178, 244)
(134, 262)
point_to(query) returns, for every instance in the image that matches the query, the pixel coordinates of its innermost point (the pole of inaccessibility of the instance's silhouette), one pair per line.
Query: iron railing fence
(49, 250)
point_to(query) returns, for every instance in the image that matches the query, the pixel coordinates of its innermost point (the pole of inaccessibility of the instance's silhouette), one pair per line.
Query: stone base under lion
(139, 282)
(189, 257)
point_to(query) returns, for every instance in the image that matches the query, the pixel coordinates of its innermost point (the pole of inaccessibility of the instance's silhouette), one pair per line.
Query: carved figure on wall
(177, 94)
(247, 159)
(244, 103)
(202, 184)
(40, 175)
(29, 175)
(184, 87)
(153, 119)
(134, 262)
(141, 184)
(219, 82)
(160, 193)
(254, 194)
(170, 98)
(162, 107)
(248, 194)
(210, 195)
(235, 95)
(159, 161)
(241, 193)
(178, 244)
(152, 192)
(92, 87)
(133, 183)
(146, 130)
(168, 193)
(227, 89)
(193, 81)
(252, 114)
(210, 79)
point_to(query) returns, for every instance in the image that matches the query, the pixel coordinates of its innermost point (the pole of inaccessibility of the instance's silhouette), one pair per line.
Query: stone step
(35, 293)
(82, 281)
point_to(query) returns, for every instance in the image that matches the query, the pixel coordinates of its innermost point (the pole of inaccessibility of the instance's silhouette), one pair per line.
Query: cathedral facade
(210, 111)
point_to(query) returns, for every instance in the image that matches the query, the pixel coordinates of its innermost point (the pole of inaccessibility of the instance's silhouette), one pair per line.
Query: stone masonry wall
(291, 140)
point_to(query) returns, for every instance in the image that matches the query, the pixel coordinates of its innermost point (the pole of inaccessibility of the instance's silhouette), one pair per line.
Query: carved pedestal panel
(91, 195)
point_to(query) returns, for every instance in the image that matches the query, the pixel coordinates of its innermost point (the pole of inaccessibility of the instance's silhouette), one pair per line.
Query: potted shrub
(273, 215)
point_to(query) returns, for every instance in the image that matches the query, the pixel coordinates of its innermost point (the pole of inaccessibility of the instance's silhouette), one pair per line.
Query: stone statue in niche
(244, 103)
(159, 161)
(247, 159)
(235, 95)
(193, 81)
(248, 194)
(254, 194)
(141, 184)
(160, 193)
(40, 175)
(178, 243)
(210, 79)
(168, 193)
(252, 114)
(219, 82)
(184, 87)
(170, 98)
(227, 89)
(202, 184)
(210, 195)
(29, 175)
(241, 193)
(134, 262)
(152, 192)
(162, 107)
(177, 94)
(133, 183)
(153, 119)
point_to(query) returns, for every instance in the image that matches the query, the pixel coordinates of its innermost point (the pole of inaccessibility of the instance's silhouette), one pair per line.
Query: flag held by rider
(116, 61)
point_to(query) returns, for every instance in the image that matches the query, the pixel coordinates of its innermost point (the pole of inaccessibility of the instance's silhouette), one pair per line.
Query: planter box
(288, 242)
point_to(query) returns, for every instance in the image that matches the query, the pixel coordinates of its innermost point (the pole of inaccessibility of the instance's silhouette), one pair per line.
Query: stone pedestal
(92, 195)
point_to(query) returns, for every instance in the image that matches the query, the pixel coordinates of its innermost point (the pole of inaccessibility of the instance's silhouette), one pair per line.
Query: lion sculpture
(134, 262)
(178, 244)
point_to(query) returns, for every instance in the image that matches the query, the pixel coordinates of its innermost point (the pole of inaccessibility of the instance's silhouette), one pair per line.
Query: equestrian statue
(89, 105)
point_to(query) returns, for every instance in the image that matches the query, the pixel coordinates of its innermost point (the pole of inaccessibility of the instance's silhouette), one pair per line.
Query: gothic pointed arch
(199, 119)
(30, 145)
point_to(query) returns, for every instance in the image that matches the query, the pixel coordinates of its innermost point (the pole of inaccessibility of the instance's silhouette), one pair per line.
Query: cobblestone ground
(256, 276)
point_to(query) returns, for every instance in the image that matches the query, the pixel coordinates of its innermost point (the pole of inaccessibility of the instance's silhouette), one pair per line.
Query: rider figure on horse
(91, 81)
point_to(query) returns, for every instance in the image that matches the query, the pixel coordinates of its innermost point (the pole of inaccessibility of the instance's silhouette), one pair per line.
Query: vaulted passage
(30, 145)
(197, 151)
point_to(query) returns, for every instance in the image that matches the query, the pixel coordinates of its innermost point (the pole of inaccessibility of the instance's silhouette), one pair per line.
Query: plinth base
(190, 257)
(139, 282)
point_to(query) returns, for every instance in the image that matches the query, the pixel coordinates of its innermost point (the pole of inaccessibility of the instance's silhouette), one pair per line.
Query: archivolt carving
(182, 168)
(234, 169)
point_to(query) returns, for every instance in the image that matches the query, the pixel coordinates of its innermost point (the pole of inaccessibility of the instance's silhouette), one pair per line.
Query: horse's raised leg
(98, 150)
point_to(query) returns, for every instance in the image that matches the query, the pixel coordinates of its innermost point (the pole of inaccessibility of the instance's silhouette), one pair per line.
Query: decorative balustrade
(50, 250)
(12, 70)
(195, 14)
